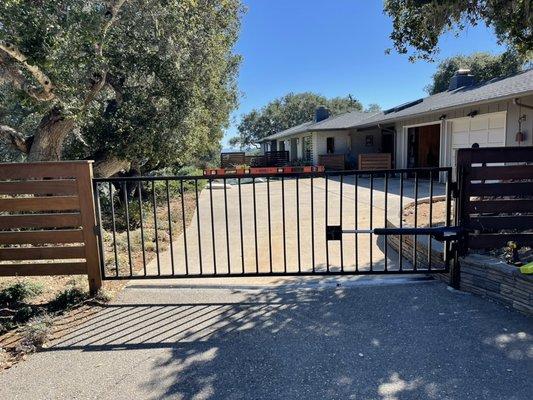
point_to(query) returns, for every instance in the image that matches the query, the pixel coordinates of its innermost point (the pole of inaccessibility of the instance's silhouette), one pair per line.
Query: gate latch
(333, 232)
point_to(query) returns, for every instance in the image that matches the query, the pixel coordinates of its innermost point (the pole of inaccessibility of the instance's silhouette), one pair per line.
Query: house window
(330, 145)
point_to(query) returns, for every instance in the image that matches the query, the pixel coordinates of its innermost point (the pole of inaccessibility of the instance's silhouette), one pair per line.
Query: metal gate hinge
(96, 230)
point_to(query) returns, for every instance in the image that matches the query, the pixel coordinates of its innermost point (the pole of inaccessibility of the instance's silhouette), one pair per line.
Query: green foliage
(373, 108)
(17, 293)
(418, 24)
(484, 66)
(286, 112)
(68, 298)
(169, 68)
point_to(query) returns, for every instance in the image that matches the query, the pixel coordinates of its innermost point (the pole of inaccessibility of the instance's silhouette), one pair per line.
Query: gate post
(88, 219)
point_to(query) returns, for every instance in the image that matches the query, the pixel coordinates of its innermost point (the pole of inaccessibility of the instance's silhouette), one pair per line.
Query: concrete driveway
(301, 223)
(368, 339)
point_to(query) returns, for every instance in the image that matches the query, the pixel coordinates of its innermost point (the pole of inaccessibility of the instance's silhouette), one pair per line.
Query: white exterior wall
(342, 143)
(512, 112)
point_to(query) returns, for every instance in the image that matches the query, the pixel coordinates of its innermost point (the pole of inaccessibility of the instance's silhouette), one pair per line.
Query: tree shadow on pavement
(365, 342)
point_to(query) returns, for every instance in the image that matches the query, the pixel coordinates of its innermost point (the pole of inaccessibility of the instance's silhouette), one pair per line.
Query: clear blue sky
(334, 48)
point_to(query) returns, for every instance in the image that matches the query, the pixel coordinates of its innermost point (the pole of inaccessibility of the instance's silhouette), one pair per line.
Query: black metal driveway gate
(333, 223)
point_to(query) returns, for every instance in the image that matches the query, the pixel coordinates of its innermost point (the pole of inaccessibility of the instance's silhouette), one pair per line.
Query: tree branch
(10, 73)
(16, 139)
(35, 71)
(112, 15)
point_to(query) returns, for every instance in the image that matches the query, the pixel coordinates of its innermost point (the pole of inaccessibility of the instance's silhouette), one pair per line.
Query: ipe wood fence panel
(47, 220)
(374, 161)
(496, 196)
(332, 161)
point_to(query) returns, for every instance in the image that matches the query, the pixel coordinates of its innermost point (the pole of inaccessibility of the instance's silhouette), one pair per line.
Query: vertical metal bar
(170, 228)
(269, 225)
(227, 225)
(212, 226)
(154, 203)
(326, 222)
(139, 199)
(126, 208)
(430, 217)
(98, 211)
(298, 222)
(371, 213)
(400, 237)
(240, 224)
(198, 225)
(184, 223)
(283, 217)
(312, 224)
(255, 227)
(415, 237)
(447, 248)
(386, 207)
(340, 220)
(356, 180)
(112, 200)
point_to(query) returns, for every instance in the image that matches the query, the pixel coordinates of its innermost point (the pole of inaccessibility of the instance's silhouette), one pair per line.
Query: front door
(424, 146)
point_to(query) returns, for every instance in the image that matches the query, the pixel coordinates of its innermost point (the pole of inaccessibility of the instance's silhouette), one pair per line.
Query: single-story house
(425, 132)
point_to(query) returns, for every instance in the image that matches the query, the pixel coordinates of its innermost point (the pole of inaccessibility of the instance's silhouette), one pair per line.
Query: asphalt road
(362, 340)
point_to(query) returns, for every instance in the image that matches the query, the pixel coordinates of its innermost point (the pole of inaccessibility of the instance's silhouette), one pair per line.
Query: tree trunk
(109, 167)
(50, 135)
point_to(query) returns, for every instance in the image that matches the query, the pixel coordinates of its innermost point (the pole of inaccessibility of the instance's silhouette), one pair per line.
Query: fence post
(88, 218)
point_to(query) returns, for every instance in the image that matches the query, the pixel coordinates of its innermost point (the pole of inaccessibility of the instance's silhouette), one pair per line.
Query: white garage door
(488, 130)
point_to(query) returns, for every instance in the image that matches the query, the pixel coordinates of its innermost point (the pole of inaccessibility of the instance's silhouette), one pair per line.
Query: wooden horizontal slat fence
(496, 201)
(374, 161)
(332, 161)
(232, 159)
(47, 220)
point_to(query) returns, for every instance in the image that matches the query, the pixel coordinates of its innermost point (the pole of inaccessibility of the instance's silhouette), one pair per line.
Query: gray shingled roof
(291, 131)
(342, 121)
(514, 86)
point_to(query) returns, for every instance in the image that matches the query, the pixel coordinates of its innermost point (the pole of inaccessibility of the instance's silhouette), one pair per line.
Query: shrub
(103, 295)
(18, 293)
(35, 333)
(68, 298)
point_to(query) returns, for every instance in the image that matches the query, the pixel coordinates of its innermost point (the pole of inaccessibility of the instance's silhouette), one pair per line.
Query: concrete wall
(512, 113)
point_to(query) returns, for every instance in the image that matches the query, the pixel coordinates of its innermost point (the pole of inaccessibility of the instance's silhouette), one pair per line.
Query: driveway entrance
(367, 341)
(277, 225)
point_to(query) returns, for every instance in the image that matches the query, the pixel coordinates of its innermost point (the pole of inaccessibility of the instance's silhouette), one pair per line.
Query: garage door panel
(479, 124)
(460, 138)
(497, 122)
(479, 137)
(487, 130)
(461, 126)
(497, 137)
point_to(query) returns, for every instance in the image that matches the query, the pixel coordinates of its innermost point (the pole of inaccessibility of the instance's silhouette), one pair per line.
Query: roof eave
(471, 104)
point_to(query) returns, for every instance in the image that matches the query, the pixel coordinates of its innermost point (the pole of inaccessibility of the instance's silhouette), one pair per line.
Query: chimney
(321, 114)
(462, 78)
